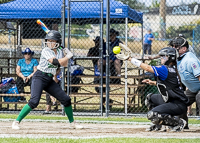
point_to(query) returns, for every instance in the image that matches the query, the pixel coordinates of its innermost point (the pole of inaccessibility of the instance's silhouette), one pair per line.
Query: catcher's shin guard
(170, 120)
(167, 120)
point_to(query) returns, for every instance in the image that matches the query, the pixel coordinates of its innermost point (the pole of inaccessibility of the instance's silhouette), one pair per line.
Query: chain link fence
(96, 81)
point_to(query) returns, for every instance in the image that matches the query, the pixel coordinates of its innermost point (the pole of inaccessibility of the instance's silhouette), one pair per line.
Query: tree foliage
(186, 30)
(155, 4)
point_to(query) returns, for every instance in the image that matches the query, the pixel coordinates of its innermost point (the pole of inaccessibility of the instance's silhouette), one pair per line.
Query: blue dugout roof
(51, 9)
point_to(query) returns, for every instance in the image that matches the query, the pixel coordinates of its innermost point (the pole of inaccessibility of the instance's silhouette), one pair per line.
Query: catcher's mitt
(125, 52)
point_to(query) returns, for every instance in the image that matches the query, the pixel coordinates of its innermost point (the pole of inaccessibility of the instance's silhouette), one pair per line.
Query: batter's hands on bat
(148, 81)
(125, 52)
(67, 53)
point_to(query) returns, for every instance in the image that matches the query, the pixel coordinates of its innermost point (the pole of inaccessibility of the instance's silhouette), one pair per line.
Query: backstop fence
(95, 79)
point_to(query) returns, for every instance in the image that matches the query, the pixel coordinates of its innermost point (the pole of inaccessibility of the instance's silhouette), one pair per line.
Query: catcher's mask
(53, 35)
(179, 42)
(169, 53)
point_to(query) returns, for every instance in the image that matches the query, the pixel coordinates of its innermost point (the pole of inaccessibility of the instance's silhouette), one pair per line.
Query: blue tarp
(44, 9)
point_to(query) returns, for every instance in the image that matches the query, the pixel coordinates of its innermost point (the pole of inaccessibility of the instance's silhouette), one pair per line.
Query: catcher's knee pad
(154, 117)
(147, 101)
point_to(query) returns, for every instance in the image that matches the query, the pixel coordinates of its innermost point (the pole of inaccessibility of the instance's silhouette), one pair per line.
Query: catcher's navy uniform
(171, 101)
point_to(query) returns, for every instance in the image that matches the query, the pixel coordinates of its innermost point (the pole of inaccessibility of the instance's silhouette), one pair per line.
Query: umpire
(189, 70)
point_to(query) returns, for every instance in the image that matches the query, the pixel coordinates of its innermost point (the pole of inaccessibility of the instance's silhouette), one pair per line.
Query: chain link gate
(195, 41)
(87, 25)
(87, 36)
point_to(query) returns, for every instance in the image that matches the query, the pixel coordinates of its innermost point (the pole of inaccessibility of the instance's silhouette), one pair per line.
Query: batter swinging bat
(44, 27)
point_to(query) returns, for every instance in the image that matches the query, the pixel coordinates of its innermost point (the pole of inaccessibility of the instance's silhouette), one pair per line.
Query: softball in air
(116, 50)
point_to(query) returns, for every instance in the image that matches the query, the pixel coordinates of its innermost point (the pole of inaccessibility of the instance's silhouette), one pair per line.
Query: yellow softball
(116, 50)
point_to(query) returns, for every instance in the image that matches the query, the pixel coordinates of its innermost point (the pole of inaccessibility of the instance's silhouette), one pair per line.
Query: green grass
(95, 140)
(101, 140)
(56, 117)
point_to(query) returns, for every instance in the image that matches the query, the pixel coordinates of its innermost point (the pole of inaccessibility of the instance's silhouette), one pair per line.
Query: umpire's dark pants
(147, 47)
(172, 108)
(193, 96)
(42, 81)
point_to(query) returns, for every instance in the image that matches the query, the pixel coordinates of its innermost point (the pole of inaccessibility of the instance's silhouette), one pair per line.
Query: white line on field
(79, 121)
(96, 137)
(85, 121)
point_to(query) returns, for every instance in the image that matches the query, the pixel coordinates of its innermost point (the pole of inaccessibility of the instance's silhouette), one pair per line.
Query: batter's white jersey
(44, 64)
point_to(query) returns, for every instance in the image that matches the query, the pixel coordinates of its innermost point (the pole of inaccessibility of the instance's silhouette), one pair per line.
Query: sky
(170, 2)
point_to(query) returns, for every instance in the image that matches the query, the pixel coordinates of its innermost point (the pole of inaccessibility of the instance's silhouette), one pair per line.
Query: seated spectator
(94, 52)
(114, 41)
(25, 69)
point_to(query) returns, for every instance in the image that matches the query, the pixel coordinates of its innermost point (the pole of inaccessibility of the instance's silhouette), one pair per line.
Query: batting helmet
(170, 52)
(53, 35)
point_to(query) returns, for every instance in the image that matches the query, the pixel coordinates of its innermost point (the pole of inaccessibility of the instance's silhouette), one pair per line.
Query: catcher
(171, 101)
(43, 78)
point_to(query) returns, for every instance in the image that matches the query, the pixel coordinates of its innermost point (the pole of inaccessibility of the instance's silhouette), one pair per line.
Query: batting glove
(67, 53)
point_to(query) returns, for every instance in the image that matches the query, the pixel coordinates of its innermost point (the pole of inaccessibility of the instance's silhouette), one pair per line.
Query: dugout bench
(5, 71)
(80, 97)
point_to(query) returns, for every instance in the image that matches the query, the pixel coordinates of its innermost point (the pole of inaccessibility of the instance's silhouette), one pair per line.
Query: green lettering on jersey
(52, 66)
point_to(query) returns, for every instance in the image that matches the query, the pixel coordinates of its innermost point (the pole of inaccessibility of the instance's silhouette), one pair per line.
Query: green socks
(26, 109)
(69, 113)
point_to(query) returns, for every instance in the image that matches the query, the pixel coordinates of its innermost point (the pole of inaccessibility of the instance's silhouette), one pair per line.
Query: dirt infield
(55, 130)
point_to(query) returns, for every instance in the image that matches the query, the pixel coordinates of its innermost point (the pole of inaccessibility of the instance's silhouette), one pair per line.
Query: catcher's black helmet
(170, 52)
(53, 35)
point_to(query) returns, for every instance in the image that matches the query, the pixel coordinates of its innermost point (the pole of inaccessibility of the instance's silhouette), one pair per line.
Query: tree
(155, 4)
(186, 30)
(162, 16)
